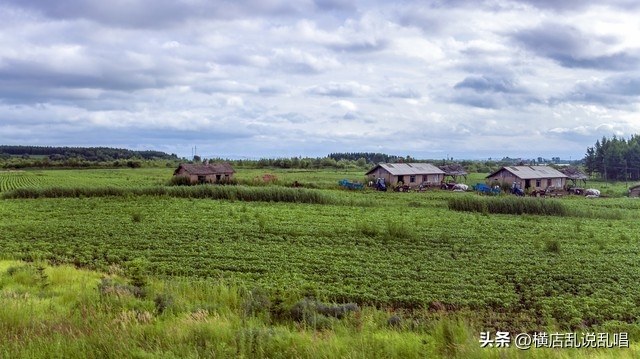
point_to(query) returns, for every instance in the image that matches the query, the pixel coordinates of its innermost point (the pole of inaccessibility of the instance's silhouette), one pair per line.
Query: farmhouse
(538, 177)
(407, 173)
(206, 172)
(634, 191)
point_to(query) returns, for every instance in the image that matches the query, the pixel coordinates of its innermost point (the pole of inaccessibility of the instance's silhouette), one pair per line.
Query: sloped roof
(401, 169)
(531, 172)
(454, 170)
(574, 173)
(205, 169)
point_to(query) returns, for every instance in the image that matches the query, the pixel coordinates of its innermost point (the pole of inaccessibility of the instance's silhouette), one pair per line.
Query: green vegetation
(508, 205)
(63, 312)
(615, 158)
(272, 271)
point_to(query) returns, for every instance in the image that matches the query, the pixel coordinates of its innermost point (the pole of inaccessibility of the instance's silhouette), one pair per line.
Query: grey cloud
(615, 91)
(494, 91)
(339, 90)
(294, 117)
(300, 62)
(481, 101)
(428, 21)
(350, 116)
(139, 13)
(571, 48)
(333, 5)
(271, 90)
(29, 82)
(163, 13)
(400, 92)
(487, 84)
(225, 86)
(574, 5)
(361, 46)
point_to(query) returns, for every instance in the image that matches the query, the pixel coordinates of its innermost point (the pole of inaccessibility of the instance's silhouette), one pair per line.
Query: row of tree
(91, 154)
(370, 157)
(615, 159)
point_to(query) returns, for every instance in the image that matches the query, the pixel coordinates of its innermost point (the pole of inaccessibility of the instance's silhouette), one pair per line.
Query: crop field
(10, 180)
(391, 250)
(125, 177)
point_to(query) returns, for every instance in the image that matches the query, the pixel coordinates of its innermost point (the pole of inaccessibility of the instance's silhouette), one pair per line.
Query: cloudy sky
(271, 78)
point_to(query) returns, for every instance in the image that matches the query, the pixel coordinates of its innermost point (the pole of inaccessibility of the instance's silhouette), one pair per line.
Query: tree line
(91, 154)
(370, 157)
(615, 159)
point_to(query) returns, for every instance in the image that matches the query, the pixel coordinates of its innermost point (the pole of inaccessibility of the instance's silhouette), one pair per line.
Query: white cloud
(347, 105)
(493, 78)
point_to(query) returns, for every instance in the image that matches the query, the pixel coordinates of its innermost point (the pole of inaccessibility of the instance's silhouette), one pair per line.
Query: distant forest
(17, 157)
(614, 159)
(92, 154)
(370, 157)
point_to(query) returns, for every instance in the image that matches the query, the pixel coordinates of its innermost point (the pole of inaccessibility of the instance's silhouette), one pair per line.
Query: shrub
(552, 246)
(319, 315)
(163, 302)
(399, 230)
(136, 217)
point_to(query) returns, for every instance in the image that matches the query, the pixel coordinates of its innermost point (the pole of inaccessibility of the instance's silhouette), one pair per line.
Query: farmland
(404, 252)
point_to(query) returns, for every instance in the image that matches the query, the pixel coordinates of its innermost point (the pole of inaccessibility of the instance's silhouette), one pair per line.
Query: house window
(538, 183)
(412, 179)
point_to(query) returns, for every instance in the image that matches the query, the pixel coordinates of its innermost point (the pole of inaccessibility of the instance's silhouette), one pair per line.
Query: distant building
(408, 173)
(634, 191)
(539, 177)
(206, 172)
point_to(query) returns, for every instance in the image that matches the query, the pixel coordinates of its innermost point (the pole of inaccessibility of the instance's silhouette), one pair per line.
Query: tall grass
(240, 193)
(208, 318)
(508, 205)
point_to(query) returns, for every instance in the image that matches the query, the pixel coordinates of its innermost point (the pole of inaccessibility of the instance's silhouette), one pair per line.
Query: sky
(465, 79)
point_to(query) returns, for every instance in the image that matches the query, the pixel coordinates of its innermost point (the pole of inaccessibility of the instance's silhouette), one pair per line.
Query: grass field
(404, 254)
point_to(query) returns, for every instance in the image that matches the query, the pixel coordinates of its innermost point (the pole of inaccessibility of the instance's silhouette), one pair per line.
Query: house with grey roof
(205, 172)
(412, 174)
(538, 177)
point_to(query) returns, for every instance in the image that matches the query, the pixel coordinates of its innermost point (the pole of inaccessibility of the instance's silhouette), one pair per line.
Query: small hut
(575, 175)
(454, 171)
(206, 172)
(634, 192)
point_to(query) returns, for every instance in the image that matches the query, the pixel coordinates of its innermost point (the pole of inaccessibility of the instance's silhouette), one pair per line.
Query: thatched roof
(454, 170)
(574, 173)
(205, 169)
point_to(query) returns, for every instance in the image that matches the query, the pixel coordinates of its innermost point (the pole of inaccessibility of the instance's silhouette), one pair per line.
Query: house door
(400, 179)
(527, 184)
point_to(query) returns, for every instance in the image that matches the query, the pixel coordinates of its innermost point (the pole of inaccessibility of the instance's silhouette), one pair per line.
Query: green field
(403, 253)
